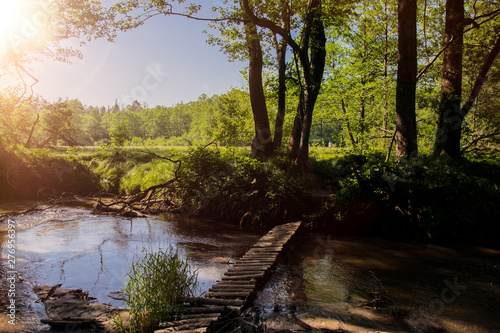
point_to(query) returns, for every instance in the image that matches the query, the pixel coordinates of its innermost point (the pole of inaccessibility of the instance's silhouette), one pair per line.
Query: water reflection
(364, 285)
(79, 250)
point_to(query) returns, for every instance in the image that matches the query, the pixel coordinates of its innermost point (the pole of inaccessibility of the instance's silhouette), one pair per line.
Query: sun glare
(11, 17)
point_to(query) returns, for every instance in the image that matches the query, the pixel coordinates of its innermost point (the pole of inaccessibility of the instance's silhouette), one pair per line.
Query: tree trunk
(313, 40)
(313, 75)
(348, 124)
(262, 144)
(294, 142)
(450, 120)
(406, 140)
(280, 116)
(28, 141)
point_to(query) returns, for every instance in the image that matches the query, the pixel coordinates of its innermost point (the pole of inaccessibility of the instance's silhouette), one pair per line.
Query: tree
(230, 123)
(236, 45)
(311, 54)
(359, 83)
(451, 113)
(262, 144)
(406, 124)
(449, 129)
(57, 125)
(119, 132)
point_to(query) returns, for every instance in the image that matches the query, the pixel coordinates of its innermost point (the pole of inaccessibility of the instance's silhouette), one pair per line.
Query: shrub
(227, 185)
(426, 199)
(156, 288)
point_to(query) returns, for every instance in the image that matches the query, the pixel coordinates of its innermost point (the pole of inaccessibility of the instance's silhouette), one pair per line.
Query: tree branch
(476, 140)
(480, 78)
(266, 23)
(435, 58)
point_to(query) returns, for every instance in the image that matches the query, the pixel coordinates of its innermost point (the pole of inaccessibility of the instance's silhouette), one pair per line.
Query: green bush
(427, 199)
(42, 174)
(225, 185)
(157, 285)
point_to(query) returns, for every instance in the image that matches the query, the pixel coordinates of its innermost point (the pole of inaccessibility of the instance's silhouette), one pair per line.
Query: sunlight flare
(10, 19)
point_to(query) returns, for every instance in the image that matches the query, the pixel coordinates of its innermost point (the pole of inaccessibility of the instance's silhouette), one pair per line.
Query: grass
(157, 284)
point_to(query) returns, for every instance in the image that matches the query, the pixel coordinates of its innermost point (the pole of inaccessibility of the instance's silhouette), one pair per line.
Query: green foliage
(157, 283)
(144, 175)
(228, 186)
(119, 133)
(428, 199)
(41, 174)
(231, 123)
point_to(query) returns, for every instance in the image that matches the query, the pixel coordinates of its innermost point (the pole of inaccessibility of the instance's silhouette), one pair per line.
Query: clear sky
(164, 62)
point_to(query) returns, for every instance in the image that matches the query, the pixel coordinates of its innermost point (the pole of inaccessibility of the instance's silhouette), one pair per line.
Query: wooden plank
(196, 330)
(251, 282)
(216, 294)
(243, 277)
(193, 323)
(255, 262)
(202, 309)
(249, 268)
(216, 301)
(243, 273)
(229, 290)
(274, 247)
(232, 286)
(201, 315)
(259, 256)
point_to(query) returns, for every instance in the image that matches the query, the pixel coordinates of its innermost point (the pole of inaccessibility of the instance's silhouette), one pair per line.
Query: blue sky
(164, 62)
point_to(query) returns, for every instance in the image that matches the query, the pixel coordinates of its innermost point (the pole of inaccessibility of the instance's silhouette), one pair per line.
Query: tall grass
(157, 284)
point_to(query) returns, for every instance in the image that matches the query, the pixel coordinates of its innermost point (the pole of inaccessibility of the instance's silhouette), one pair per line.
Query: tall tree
(262, 144)
(311, 53)
(406, 124)
(230, 42)
(449, 124)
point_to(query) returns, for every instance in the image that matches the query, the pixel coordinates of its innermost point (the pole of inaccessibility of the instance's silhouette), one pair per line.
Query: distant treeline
(225, 118)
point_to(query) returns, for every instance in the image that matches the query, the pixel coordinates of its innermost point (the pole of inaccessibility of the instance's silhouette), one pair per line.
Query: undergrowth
(427, 199)
(157, 284)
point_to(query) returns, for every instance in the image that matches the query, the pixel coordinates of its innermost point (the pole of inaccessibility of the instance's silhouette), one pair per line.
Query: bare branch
(435, 58)
(476, 140)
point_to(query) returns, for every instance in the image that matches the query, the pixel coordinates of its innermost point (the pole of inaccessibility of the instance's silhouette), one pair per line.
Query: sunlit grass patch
(158, 282)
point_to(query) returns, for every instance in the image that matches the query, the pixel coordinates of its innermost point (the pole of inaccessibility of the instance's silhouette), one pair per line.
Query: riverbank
(444, 201)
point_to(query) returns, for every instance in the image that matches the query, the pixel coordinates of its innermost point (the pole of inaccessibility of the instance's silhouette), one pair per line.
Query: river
(77, 249)
(356, 284)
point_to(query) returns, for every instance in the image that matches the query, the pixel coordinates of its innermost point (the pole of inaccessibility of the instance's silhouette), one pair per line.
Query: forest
(390, 108)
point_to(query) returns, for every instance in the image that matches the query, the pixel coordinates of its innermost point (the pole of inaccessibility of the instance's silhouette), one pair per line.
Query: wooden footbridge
(237, 288)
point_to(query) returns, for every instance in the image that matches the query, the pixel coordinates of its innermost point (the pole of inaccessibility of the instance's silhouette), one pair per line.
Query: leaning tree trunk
(450, 119)
(262, 144)
(406, 124)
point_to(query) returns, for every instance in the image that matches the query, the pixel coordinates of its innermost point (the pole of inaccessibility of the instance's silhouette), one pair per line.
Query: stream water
(79, 250)
(356, 284)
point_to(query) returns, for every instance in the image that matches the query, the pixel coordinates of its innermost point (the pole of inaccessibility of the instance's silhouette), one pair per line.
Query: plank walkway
(238, 286)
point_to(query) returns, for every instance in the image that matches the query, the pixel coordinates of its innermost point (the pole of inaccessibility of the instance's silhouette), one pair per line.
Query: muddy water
(359, 285)
(74, 248)
(366, 285)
